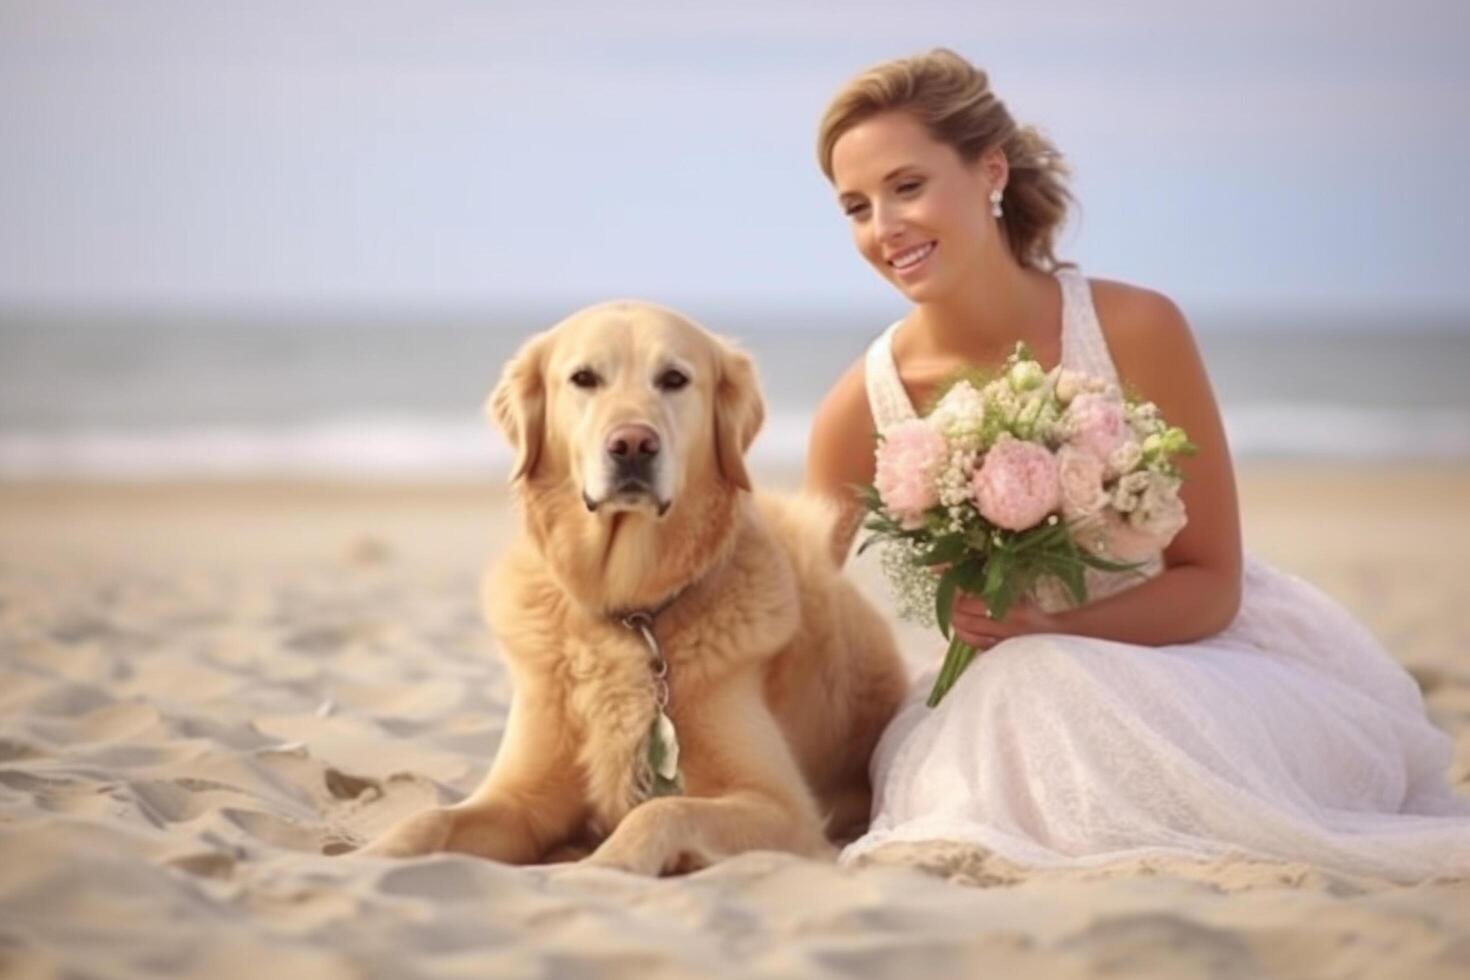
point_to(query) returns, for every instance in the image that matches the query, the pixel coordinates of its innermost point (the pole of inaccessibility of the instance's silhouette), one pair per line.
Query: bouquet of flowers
(1014, 479)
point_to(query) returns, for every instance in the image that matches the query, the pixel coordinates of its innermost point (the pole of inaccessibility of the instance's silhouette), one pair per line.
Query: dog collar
(658, 762)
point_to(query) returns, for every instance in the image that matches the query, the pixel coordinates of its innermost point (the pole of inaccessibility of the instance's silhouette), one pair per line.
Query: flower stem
(956, 659)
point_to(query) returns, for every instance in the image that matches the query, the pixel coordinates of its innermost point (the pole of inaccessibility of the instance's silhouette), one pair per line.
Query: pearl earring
(995, 202)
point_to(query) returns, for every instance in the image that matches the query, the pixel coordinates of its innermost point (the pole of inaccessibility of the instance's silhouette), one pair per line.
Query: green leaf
(946, 550)
(1003, 598)
(995, 574)
(978, 538)
(1072, 576)
(944, 597)
(956, 659)
(973, 580)
(1042, 537)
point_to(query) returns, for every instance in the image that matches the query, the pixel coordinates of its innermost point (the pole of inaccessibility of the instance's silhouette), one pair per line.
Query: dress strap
(1083, 346)
(887, 399)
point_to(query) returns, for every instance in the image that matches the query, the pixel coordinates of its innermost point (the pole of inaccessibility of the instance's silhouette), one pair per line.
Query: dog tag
(663, 756)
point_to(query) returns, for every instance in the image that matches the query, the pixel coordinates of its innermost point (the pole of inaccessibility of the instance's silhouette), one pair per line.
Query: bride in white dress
(1211, 705)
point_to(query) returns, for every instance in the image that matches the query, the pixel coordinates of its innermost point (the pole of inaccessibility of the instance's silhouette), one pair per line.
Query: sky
(426, 155)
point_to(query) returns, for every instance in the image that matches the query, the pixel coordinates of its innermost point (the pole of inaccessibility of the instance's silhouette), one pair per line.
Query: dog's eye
(672, 380)
(584, 378)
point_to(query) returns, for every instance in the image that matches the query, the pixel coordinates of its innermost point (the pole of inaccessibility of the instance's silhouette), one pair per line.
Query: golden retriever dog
(650, 586)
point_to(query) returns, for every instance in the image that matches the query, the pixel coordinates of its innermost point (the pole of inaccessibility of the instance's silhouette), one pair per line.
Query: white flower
(959, 416)
(1000, 398)
(1031, 413)
(1125, 494)
(913, 585)
(1044, 428)
(1069, 384)
(1143, 419)
(1124, 459)
(1135, 482)
(1159, 512)
(960, 399)
(953, 482)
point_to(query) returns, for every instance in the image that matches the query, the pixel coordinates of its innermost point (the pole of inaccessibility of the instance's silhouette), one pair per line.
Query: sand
(210, 693)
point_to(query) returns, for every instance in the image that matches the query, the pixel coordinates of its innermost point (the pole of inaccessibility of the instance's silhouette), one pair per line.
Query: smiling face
(919, 214)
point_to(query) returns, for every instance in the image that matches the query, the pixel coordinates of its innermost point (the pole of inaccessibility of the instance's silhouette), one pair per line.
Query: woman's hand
(969, 620)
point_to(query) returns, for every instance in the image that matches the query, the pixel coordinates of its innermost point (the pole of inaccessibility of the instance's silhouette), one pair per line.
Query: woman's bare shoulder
(1130, 313)
(849, 394)
(1145, 330)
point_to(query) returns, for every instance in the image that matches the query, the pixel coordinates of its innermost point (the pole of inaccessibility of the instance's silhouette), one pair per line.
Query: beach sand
(210, 693)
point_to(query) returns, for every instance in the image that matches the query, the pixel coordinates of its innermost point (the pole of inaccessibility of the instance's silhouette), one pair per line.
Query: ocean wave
(348, 447)
(432, 448)
(1347, 431)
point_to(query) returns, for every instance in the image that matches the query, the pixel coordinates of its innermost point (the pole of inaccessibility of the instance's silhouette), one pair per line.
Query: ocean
(376, 397)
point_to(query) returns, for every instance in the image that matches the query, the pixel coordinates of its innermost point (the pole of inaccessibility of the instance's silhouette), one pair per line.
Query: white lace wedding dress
(1291, 735)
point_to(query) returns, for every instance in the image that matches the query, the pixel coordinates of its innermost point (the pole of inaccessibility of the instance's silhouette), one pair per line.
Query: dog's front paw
(630, 850)
(422, 833)
(646, 856)
(623, 859)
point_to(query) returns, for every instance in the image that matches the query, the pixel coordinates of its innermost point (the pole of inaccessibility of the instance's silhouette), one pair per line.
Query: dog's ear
(739, 413)
(518, 405)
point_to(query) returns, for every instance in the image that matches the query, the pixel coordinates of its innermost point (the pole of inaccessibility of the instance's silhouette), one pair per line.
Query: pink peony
(1017, 485)
(908, 462)
(1097, 424)
(1081, 477)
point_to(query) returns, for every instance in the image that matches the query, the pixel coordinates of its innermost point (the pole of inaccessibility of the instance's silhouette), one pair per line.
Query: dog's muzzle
(631, 455)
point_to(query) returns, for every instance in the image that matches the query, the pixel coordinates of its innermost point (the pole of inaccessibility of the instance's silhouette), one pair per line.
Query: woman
(1219, 705)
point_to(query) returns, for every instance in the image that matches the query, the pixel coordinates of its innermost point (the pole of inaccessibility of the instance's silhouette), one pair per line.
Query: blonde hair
(953, 100)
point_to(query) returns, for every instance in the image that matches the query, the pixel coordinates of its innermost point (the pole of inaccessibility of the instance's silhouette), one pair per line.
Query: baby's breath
(954, 480)
(913, 585)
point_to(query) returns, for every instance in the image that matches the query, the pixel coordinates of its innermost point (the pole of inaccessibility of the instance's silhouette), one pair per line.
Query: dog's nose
(632, 443)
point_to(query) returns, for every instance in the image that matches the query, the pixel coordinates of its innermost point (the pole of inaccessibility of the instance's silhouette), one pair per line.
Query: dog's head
(630, 403)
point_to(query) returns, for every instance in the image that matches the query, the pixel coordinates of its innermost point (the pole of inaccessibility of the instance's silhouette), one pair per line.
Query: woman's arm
(1198, 593)
(1180, 604)
(840, 455)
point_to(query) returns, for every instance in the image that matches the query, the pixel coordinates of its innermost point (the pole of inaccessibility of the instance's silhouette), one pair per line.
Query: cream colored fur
(782, 676)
